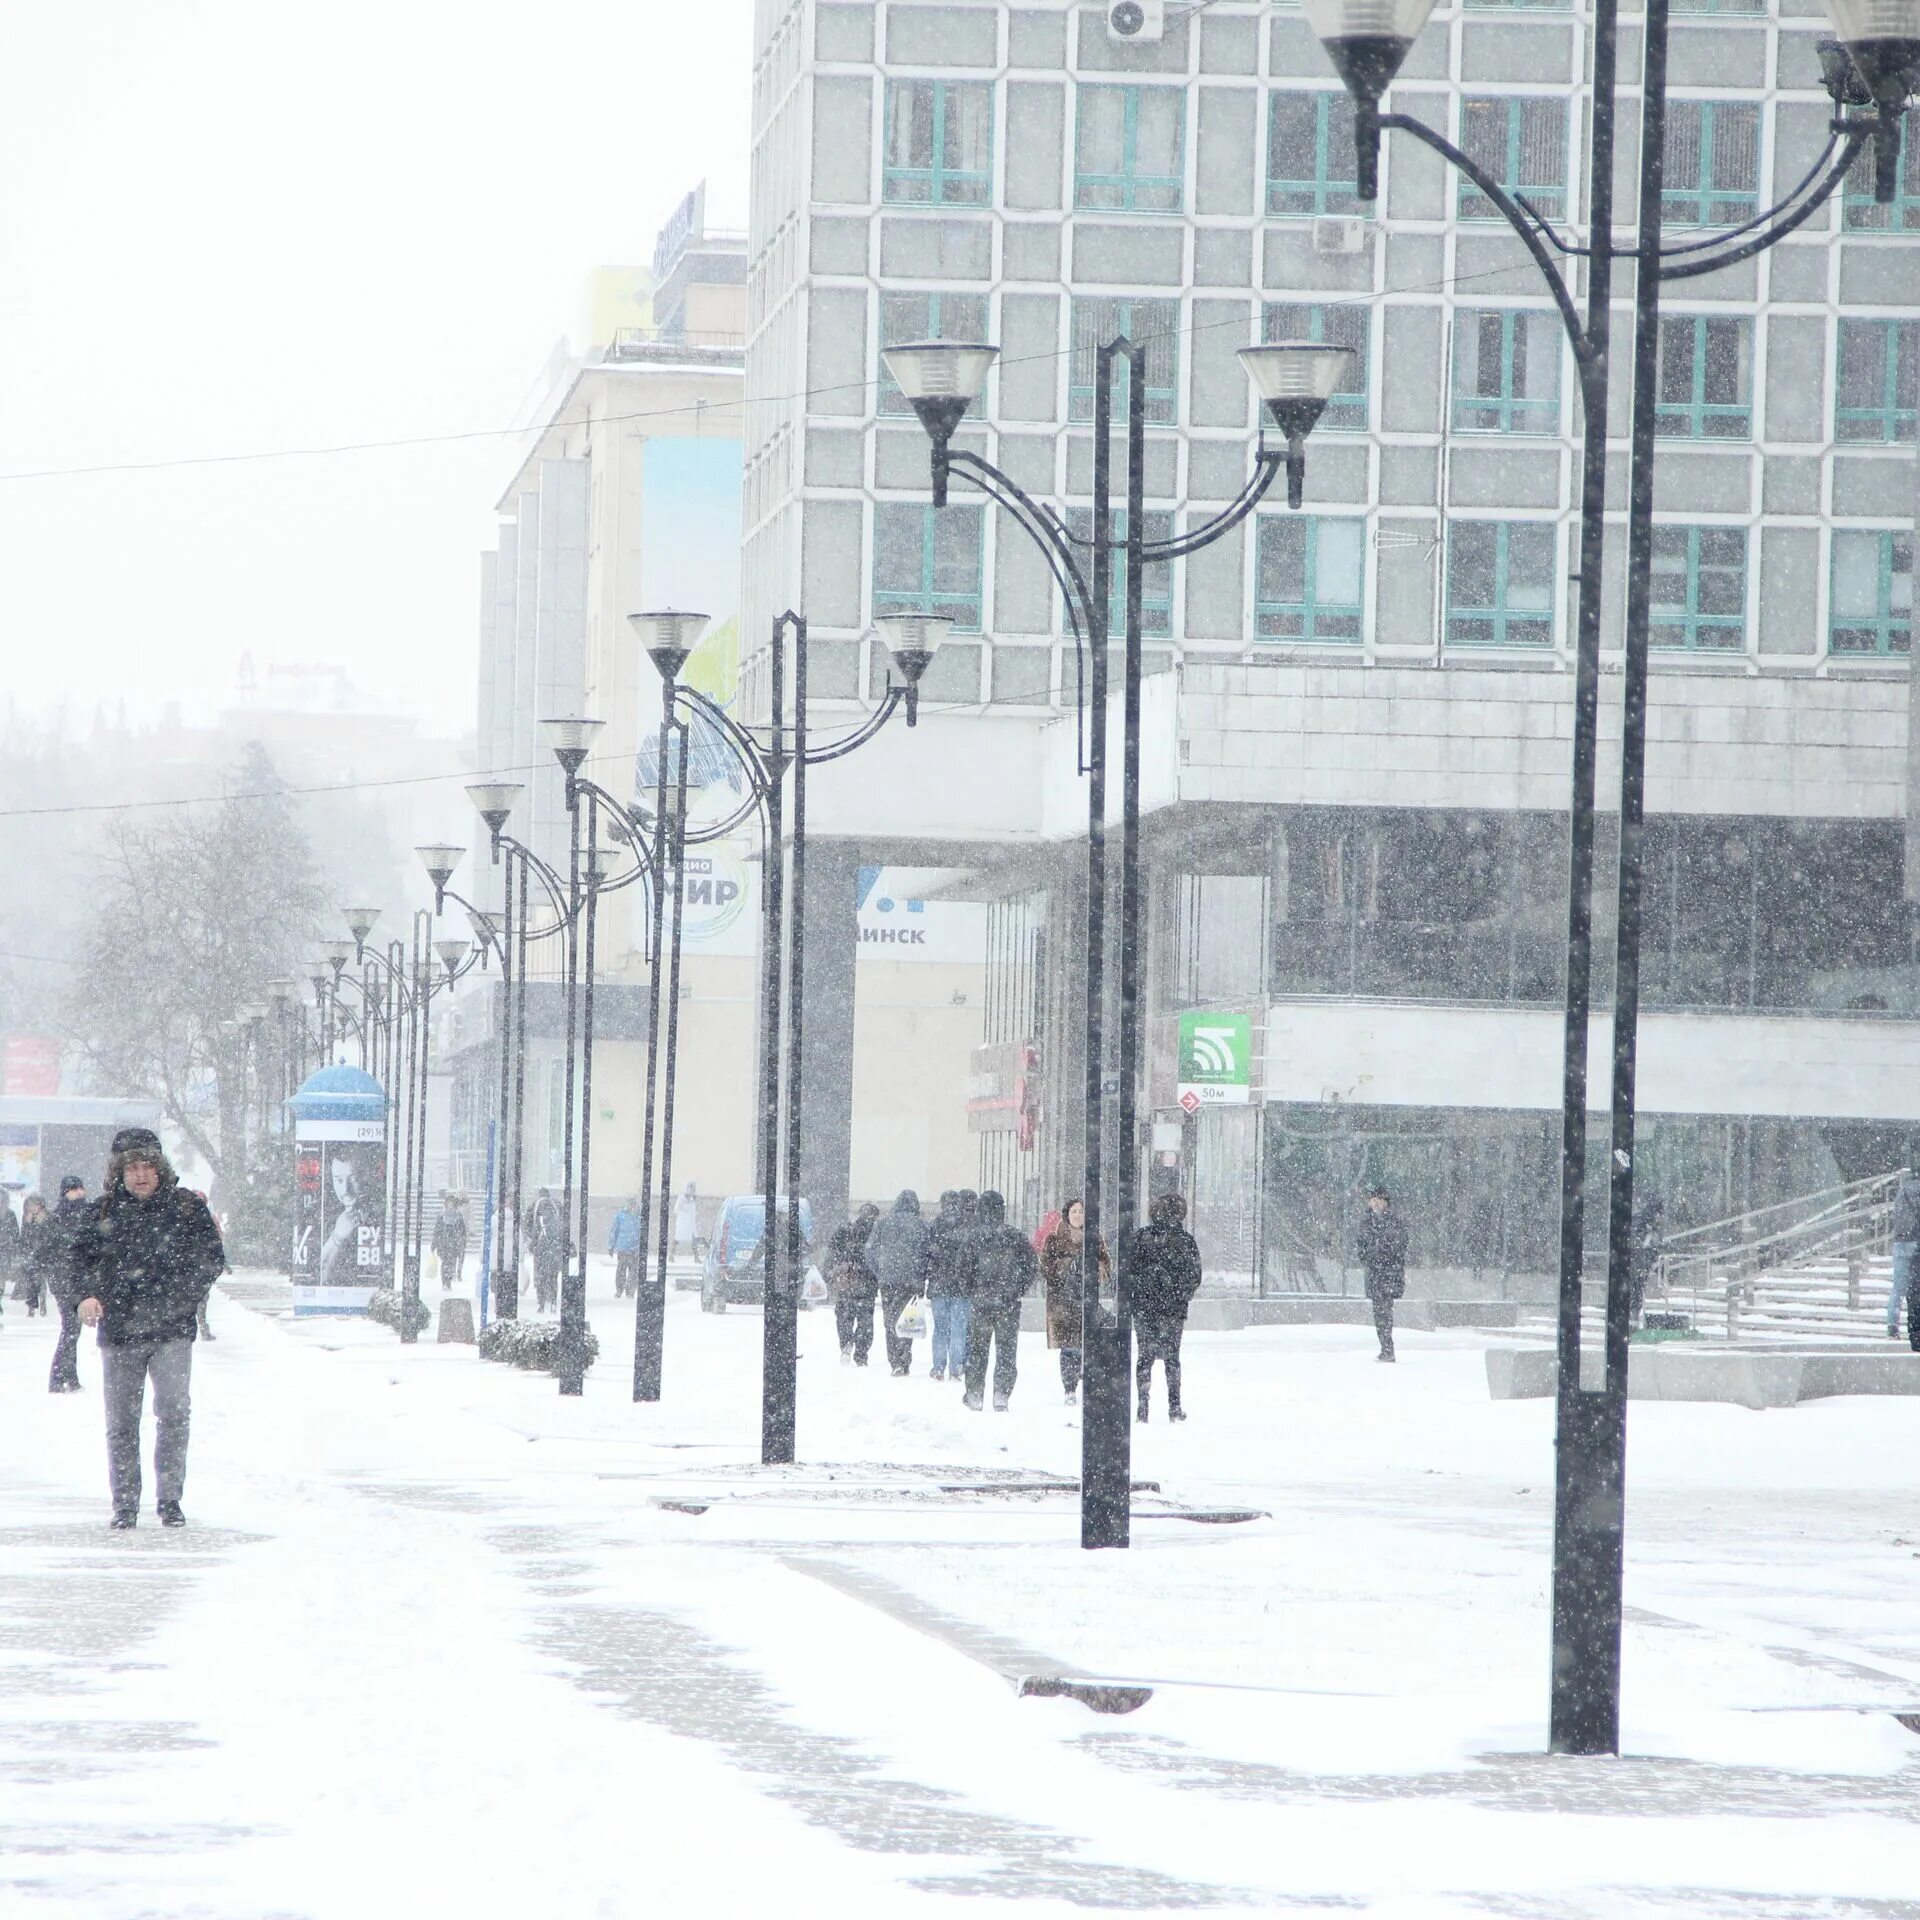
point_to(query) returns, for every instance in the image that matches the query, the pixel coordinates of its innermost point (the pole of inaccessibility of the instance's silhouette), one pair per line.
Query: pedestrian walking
(145, 1260)
(853, 1285)
(1163, 1275)
(450, 1241)
(623, 1242)
(547, 1242)
(949, 1283)
(57, 1260)
(1906, 1246)
(1649, 1229)
(9, 1246)
(897, 1253)
(1003, 1272)
(30, 1289)
(1062, 1256)
(686, 1220)
(1381, 1249)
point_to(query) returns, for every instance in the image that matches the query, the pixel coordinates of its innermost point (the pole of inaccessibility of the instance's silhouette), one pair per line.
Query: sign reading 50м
(1216, 1059)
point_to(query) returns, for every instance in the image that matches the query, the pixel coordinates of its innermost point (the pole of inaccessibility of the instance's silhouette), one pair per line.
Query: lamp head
(360, 923)
(280, 995)
(493, 800)
(570, 739)
(941, 380)
(1837, 74)
(1296, 381)
(601, 862)
(485, 932)
(440, 860)
(336, 953)
(1368, 42)
(913, 639)
(668, 636)
(451, 953)
(1882, 39)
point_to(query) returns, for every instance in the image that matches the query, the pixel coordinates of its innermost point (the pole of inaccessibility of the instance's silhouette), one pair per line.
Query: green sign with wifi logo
(1216, 1059)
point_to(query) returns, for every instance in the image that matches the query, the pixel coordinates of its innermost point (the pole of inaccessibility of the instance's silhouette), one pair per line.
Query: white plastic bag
(814, 1289)
(912, 1324)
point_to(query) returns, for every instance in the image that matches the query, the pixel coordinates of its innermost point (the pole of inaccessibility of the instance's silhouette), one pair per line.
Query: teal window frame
(1891, 352)
(1517, 6)
(963, 604)
(937, 184)
(1506, 156)
(1338, 324)
(1093, 320)
(931, 322)
(1510, 409)
(1693, 372)
(1887, 632)
(1712, 571)
(1156, 577)
(1750, 9)
(1306, 619)
(1706, 201)
(1862, 213)
(1492, 541)
(1295, 196)
(1137, 192)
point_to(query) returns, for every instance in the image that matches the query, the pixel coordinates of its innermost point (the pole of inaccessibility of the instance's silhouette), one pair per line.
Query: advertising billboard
(340, 1211)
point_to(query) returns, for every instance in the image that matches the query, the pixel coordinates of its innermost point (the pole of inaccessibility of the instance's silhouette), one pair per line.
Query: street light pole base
(1589, 1540)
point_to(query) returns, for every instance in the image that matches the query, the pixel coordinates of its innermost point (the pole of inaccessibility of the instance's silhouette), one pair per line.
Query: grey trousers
(125, 1370)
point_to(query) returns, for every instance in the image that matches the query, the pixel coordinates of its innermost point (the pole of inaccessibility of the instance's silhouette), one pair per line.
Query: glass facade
(1129, 149)
(939, 143)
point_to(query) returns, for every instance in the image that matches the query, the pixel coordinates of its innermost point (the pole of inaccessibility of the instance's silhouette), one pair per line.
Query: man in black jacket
(897, 1253)
(56, 1255)
(1004, 1269)
(144, 1262)
(1381, 1249)
(1163, 1275)
(949, 1282)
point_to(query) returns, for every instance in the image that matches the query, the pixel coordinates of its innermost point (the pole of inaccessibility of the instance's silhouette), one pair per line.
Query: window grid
(1871, 598)
(940, 183)
(1517, 611)
(1521, 140)
(1152, 324)
(1877, 393)
(1156, 577)
(1712, 159)
(932, 315)
(1699, 589)
(1130, 189)
(928, 560)
(1749, 7)
(1705, 378)
(1326, 605)
(1336, 325)
(1863, 213)
(1333, 186)
(1495, 399)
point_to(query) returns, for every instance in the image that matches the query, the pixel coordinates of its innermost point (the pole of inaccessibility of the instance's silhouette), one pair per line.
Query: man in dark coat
(9, 1242)
(949, 1282)
(546, 1241)
(59, 1275)
(1002, 1271)
(145, 1260)
(1381, 1249)
(450, 1240)
(851, 1282)
(1163, 1275)
(897, 1253)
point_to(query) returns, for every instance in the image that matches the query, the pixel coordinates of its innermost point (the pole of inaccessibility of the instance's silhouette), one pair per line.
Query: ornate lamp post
(942, 380)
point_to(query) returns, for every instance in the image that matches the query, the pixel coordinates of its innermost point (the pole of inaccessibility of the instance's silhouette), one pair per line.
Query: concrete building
(1358, 725)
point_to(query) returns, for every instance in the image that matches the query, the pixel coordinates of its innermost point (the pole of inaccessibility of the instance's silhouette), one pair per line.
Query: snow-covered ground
(434, 1644)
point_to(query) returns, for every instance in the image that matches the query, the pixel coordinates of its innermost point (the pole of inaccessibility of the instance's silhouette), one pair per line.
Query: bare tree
(191, 917)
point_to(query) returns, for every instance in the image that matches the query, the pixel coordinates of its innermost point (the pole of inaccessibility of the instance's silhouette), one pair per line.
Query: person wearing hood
(851, 1282)
(31, 1287)
(1163, 1275)
(897, 1253)
(547, 1242)
(57, 1251)
(949, 1282)
(450, 1241)
(1906, 1248)
(144, 1261)
(1004, 1269)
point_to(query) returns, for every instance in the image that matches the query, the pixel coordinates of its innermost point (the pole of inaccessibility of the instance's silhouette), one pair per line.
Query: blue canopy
(339, 1093)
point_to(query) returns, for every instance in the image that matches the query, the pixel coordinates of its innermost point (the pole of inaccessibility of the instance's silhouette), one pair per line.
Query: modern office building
(1357, 733)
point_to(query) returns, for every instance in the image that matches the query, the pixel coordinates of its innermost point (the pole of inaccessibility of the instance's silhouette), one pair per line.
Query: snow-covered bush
(533, 1344)
(385, 1307)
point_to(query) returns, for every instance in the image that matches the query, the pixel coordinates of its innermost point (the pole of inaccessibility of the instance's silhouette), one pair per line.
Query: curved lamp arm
(1268, 467)
(1857, 136)
(556, 888)
(851, 742)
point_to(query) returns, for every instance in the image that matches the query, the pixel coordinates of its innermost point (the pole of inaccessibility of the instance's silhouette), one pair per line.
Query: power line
(400, 443)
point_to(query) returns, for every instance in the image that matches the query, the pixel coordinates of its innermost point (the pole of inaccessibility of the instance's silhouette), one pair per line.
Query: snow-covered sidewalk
(438, 1640)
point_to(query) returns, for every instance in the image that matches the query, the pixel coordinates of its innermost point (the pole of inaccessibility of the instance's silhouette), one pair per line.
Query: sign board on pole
(1216, 1060)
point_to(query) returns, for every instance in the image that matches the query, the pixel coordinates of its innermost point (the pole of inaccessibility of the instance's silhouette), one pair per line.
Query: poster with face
(340, 1207)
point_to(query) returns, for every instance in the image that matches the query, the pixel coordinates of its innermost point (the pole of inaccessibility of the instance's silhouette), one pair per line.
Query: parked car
(733, 1269)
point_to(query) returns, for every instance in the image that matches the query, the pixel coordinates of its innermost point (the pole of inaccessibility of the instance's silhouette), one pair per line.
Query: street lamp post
(669, 637)
(942, 380)
(1875, 63)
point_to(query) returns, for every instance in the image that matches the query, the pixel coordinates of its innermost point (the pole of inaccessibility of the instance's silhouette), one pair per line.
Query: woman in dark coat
(1060, 1261)
(35, 1223)
(1381, 1249)
(854, 1286)
(61, 1279)
(1163, 1275)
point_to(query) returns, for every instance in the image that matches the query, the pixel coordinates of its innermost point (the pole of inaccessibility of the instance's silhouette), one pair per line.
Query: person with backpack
(450, 1241)
(949, 1270)
(1163, 1275)
(897, 1253)
(1380, 1247)
(1003, 1272)
(853, 1285)
(144, 1262)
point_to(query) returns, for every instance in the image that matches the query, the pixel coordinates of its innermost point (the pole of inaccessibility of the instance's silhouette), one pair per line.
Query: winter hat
(135, 1140)
(72, 1184)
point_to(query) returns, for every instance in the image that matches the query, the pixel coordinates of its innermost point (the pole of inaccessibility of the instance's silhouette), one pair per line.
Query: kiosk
(340, 1191)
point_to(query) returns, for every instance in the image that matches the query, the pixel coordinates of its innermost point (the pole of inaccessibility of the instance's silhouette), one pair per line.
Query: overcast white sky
(227, 227)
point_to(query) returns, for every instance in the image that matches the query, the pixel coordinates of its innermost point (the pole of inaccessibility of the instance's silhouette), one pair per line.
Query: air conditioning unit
(1136, 20)
(1339, 233)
